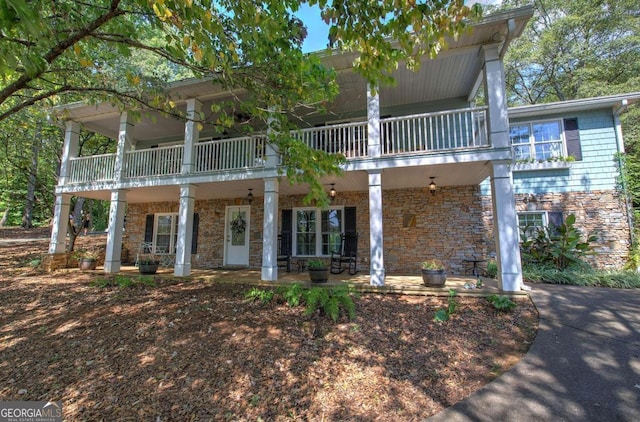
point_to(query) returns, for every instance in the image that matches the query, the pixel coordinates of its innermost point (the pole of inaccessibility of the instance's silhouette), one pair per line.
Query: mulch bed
(194, 350)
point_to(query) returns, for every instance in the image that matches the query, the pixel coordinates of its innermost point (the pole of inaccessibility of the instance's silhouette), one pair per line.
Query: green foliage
(561, 247)
(501, 303)
(293, 295)
(124, 282)
(625, 279)
(264, 296)
(432, 264)
(330, 301)
(443, 315)
(316, 263)
(492, 268)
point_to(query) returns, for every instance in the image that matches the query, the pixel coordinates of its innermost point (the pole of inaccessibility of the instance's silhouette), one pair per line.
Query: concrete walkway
(584, 364)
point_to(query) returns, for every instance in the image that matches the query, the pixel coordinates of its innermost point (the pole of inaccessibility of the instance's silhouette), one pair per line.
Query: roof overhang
(445, 82)
(616, 102)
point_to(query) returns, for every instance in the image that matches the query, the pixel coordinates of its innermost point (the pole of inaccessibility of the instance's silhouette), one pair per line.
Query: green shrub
(624, 279)
(501, 303)
(330, 301)
(443, 315)
(492, 268)
(561, 247)
(264, 296)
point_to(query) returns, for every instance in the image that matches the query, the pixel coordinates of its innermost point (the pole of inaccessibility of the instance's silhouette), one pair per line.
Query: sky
(318, 31)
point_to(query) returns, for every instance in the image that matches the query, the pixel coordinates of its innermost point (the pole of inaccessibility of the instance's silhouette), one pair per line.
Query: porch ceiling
(458, 174)
(452, 77)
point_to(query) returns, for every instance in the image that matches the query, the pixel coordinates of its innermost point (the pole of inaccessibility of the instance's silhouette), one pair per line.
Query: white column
(114, 231)
(60, 225)
(62, 208)
(185, 231)
(125, 143)
(375, 229)
(374, 148)
(270, 230)
(69, 150)
(191, 135)
(495, 94)
(505, 226)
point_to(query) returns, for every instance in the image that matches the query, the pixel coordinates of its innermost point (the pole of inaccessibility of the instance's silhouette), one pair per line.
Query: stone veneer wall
(602, 213)
(453, 225)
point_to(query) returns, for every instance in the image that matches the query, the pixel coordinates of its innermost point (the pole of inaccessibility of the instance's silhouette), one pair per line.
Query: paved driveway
(584, 364)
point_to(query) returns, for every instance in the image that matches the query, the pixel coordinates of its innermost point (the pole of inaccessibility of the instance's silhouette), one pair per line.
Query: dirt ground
(195, 350)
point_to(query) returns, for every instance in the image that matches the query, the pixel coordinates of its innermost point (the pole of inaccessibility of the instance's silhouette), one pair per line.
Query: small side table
(475, 270)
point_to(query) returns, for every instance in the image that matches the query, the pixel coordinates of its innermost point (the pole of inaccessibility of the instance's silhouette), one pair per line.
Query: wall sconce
(332, 191)
(432, 186)
(250, 196)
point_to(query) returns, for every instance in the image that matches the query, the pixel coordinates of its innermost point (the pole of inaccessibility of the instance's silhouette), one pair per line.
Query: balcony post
(114, 231)
(373, 123)
(70, 150)
(125, 143)
(376, 234)
(270, 230)
(495, 93)
(182, 266)
(505, 223)
(60, 224)
(191, 135)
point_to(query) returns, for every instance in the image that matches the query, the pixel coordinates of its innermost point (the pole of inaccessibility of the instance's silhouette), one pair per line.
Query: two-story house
(428, 174)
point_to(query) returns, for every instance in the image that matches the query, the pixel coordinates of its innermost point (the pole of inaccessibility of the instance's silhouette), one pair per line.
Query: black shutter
(148, 228)
(572, 136)
(286, 229)
(194, 237)
(555, 221)
(287, 221)
(350, 218)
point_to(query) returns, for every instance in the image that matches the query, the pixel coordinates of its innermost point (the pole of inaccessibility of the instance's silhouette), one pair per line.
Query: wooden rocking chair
(284, 251)
(346, 257)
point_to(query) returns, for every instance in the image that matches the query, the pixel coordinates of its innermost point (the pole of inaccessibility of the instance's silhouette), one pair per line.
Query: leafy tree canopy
(124, 51)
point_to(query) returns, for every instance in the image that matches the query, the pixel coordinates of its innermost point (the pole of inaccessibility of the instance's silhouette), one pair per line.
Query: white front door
(237, 235)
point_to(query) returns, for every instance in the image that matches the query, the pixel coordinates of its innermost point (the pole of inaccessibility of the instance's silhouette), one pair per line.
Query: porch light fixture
(332, 191)
(250, 196)
(432, 186)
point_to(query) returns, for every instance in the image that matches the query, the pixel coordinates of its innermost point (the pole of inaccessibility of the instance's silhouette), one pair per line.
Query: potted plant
(318, 271)
(148, 265)
(87, 260)
(433, 273)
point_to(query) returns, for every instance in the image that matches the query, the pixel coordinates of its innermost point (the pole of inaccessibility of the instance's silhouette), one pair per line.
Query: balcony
(429, 133)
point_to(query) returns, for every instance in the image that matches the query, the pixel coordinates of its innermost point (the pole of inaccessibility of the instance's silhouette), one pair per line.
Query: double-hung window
(530, 222)
(538, 141)
(165, 233)
(317, 232)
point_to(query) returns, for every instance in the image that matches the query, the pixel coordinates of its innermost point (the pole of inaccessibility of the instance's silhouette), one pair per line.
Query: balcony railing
(229, 154)
(423, 133)
(348, 139)
(163, 161)
(93, 168)
(434, 132)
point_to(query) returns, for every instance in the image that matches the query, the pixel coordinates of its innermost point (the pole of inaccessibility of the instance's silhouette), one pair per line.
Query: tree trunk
(5, 216)
(27, 218)
(75, 223)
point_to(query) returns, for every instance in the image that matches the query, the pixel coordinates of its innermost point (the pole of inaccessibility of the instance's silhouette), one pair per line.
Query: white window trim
(545, 220)
(532, 142)
(172, 235)
(318, 212)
